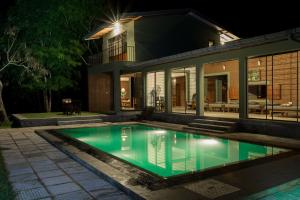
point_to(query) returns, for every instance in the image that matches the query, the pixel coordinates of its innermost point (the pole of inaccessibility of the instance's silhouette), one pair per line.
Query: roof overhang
(107, 27)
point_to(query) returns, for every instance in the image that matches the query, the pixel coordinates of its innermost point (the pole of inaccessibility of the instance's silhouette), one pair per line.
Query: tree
(13, 54)
(54, 30)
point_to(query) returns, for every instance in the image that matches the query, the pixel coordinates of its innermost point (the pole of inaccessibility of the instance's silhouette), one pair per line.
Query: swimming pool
(167, 153)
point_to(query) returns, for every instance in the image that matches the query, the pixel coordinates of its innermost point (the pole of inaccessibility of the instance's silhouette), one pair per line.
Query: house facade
(178, 62)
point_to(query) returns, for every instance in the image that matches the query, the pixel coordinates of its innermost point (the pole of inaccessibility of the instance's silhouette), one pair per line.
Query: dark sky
(243, 18)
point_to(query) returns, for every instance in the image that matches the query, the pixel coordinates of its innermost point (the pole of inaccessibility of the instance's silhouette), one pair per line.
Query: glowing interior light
(209, 141)
(159, 132)
(258, 63)
(117, 27)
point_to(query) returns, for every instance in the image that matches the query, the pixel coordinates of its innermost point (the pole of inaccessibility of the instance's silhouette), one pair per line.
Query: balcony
(112, 55)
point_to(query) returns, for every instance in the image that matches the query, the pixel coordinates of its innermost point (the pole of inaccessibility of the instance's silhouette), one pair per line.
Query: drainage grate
(211, 188)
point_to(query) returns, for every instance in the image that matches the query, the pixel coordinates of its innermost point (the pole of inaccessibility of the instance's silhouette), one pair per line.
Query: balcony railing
(115, 54)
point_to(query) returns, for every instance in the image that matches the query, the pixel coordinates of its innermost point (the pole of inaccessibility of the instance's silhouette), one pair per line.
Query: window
(273, 87)
(117, 48)
(155, 87)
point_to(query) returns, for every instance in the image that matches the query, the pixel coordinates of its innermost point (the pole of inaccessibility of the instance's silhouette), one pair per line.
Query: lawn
(5, 125)
(54, 114)
(7, 192)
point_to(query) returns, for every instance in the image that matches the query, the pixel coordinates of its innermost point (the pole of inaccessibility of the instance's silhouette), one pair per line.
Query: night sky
(245, 19)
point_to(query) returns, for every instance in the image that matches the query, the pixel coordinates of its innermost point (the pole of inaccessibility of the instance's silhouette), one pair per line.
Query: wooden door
(100, 92)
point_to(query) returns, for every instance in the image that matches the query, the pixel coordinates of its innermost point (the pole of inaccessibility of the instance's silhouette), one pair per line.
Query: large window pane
(160, 91)
(273, 87)
(184, 90)
(150, 89)
(191, 90)
(221, 89)
(155, 89)
(131, 91)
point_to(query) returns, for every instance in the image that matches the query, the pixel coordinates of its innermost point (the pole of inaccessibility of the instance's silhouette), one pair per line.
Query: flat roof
(237, 44)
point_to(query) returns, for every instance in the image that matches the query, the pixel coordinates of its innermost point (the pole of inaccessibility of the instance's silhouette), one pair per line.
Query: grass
(54, 114)
(5, 125)
(6, 191)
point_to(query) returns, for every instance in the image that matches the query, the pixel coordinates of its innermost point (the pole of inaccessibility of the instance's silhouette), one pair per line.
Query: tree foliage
(53, 30)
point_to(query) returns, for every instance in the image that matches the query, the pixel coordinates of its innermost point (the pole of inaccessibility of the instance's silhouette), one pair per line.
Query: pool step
(217, 122)
(82, 121)
(203, 129)
(210, 125)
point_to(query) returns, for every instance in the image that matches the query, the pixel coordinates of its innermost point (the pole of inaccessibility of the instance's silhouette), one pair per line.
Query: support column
(243, 88)
(144, 81)
(117, 90)
(200, 89)
(168, 92)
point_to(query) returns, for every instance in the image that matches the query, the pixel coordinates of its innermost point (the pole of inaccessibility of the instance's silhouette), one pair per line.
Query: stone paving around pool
(37, 170)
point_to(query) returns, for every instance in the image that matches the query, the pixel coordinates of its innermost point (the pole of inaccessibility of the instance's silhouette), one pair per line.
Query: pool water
(286, 191)
(168, 153)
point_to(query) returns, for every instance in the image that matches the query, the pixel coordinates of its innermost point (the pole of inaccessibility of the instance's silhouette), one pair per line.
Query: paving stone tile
(75, 170)
(44, 162)
(63, 188)
(94, 184)
(38, 159)
(56, 180)
(82, 195)
(211, 188)
(48, 174)
(36, 193)
(111, 196)
(84, 176)
(105, 191)
(23, 177)
(15, 161)
(19, 186)
(42, 168)
(68, 164)
(14, 172)
(18, 166)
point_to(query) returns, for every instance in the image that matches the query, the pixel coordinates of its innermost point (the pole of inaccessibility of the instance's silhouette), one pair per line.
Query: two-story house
(113, 81)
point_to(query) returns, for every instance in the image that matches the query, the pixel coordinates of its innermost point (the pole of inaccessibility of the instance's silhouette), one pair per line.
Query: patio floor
(37, 170)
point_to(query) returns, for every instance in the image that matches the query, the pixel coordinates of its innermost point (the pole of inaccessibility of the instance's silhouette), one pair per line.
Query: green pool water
(165, 152)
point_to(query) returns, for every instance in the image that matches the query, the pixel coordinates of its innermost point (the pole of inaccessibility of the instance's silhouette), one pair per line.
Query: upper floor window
(117, 47)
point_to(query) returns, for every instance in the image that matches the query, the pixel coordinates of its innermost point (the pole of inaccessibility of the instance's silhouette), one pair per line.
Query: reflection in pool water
(166, 152)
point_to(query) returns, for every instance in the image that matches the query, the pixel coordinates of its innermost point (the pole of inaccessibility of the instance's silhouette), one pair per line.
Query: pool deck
(39, 170)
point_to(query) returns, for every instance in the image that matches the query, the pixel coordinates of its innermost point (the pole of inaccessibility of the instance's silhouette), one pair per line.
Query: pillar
(243, 111)
(200, 89)
(117, 90)
(168, 91)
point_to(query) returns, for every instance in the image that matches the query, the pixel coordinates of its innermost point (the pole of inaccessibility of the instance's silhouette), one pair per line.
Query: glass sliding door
(221, 89)
(131, 91)
(155, 90)
(184, 90)
(273, 87)
(150, 89)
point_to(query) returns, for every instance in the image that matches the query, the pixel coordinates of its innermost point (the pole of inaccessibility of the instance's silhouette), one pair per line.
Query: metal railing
(113, 54)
